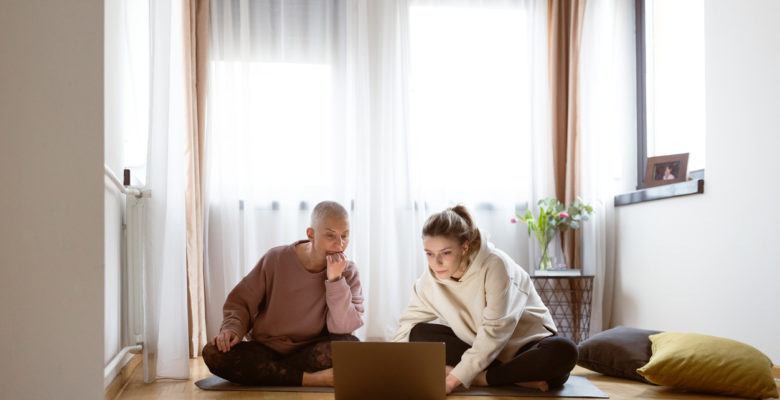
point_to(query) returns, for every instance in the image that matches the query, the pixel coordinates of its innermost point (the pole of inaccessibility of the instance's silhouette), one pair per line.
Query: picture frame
(663, 170)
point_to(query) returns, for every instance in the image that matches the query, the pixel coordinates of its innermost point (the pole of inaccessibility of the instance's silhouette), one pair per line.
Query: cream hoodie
(493, 307)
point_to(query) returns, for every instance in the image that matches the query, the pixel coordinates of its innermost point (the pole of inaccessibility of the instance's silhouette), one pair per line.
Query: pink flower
(513, 220)
(563, 214)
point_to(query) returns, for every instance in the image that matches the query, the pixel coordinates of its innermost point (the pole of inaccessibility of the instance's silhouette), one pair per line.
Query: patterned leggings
(255, 364)
(550, 359)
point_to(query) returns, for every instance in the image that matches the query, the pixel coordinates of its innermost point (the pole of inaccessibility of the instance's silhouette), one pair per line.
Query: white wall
(51, 207)
(707, 263)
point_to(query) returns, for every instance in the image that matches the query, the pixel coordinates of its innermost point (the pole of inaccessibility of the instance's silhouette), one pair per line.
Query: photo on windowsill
(663, 170)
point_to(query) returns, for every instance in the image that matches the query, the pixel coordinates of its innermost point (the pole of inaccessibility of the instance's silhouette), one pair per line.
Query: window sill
(695, 186)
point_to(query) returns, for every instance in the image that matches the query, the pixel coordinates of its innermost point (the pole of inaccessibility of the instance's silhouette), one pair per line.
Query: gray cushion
(617, 352)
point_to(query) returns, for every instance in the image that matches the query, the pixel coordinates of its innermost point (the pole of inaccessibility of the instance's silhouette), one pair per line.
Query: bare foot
(541, 385)
(480, 379)
(319, 378)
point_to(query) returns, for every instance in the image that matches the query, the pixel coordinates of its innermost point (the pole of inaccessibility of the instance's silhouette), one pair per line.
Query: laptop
(381, 370)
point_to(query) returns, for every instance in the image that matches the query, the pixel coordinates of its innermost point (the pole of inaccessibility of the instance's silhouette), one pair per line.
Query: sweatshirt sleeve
(344, 299)
(243, 302)
(505, 302)
(418, 311)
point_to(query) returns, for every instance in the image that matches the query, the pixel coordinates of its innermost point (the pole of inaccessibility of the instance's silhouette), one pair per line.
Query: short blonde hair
(327, 209)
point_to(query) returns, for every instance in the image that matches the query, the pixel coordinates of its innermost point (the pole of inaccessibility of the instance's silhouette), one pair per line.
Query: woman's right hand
(225, 340)
(450, 383)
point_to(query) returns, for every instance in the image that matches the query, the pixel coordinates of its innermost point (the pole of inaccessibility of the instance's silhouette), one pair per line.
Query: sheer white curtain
(388, 215)
(608, 118)
(275, 132)
(127, 119)
(166, 349)
(480, 112)
(127, 84)
(343, 100)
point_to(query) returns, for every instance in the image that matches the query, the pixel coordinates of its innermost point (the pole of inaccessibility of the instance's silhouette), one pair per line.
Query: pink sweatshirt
(285, 307)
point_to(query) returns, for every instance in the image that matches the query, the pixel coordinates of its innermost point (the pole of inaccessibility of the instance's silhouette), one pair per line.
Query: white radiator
(132, 274)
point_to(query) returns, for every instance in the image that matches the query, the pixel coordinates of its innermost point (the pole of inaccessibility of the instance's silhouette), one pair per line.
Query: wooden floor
(619, 389)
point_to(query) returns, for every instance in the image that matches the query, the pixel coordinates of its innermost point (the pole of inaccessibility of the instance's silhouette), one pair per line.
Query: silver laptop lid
(380, 370)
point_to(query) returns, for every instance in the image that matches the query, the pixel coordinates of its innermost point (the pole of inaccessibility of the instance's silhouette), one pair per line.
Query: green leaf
(574, 225)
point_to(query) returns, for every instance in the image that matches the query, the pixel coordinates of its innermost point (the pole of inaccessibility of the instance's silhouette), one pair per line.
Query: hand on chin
(336, 261)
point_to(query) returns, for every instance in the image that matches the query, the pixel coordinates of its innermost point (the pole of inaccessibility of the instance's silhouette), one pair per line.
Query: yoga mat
(576, 386)
(217, 383)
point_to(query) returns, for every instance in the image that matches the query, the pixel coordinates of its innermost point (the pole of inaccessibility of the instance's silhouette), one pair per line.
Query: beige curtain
(565, 32)
(196, 36)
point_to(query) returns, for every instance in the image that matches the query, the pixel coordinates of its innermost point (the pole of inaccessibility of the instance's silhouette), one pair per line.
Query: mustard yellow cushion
(709, 364)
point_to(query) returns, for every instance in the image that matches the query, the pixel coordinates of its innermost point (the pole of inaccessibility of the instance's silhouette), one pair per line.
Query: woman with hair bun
(498, 331)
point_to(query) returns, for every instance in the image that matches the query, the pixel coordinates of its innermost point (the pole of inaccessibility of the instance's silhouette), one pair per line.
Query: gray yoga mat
(576, 386)
(216, 383)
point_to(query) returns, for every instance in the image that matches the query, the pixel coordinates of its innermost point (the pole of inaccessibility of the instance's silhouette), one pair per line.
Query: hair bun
(461, 210)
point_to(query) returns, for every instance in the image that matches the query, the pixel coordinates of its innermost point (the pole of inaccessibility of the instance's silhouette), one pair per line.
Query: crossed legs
(544, 364)
(253, 363)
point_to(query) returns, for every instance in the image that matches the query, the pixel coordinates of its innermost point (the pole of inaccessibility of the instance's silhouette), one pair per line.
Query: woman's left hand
(451, 383)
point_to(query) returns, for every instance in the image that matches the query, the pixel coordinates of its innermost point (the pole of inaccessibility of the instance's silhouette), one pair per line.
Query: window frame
(696, 183)
(641, 94)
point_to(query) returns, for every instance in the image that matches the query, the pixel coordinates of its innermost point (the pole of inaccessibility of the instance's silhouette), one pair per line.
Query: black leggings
(255, 364)
(550, 359)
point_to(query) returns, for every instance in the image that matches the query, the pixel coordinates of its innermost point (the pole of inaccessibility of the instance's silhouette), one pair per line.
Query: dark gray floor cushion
(617, 352)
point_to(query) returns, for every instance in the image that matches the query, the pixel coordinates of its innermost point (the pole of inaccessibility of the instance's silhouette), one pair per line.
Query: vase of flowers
(553, 218)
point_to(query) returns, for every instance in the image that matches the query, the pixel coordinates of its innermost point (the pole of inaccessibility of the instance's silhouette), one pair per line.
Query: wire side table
(569, 300)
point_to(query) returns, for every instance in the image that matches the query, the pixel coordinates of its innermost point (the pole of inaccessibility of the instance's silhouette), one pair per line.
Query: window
(470, 100)
(264, 116)
(395, 112)
(670, 75)
(274, 103)
(277, 84)
(128, 86)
